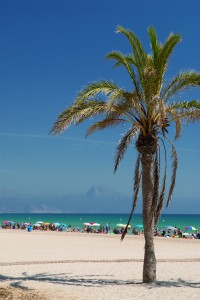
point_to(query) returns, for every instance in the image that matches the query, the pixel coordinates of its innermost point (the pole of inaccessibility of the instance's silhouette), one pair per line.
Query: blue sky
(49, 50)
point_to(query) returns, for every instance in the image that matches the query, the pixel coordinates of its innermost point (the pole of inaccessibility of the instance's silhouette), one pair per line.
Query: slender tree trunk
(149, 267)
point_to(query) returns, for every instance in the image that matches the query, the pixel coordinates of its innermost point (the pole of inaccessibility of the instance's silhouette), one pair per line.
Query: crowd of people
(166, 232)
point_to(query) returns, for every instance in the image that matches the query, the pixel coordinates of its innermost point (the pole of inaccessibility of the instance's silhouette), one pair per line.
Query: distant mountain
(98, 199)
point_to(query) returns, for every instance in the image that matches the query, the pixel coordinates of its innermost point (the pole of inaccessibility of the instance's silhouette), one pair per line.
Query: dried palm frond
(181, 82)
(75, 113)
(107, 122)
(137, 179)
(162, 193)
(156, 184)
(123, 145)
(174, 158)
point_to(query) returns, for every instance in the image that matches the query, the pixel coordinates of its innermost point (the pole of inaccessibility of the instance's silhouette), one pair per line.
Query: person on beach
(107, 228)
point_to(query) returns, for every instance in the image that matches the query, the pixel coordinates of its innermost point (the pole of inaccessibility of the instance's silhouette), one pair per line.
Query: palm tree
(149, 109)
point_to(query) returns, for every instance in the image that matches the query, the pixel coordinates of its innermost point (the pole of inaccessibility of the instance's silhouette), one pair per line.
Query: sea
(76, 220)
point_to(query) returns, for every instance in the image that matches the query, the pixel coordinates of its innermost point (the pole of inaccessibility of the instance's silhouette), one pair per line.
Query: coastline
(68, 265)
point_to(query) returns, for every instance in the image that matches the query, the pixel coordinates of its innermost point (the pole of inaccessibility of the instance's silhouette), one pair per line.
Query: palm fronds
(107, 122)
(126, 61)
(180, 82)
(159, 206)
(77, 113)
(103, 87)
(123, 145)
(137, 179)
(156, 183)
(174, 158)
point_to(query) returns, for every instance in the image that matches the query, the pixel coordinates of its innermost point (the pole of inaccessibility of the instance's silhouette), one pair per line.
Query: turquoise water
(180, 221)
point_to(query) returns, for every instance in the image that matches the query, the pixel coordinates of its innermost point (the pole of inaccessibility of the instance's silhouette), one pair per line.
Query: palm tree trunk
(149, 267)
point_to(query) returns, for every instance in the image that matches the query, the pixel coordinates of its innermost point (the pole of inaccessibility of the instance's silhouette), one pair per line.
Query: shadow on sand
(89, 280)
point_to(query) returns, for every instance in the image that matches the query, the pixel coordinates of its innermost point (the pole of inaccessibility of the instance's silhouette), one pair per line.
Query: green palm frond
(126, 61)
(137, 47)
(123, 145)
(161, 54)
(140, 55)
(185, 105)
(103, 87)
(121, 58)
(166, 51)
(181, 82)
(154, 45)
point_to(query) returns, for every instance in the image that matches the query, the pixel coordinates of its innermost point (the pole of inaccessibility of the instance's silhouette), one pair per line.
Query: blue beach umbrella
(10, 223)
(63, 224)
(190, 228)
(139, 226)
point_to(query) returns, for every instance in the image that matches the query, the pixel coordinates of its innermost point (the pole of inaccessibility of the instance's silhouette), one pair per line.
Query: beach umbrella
(56, 224)
(87, 224)
(138, 226)
(95, 224)
(120, 225)
(63, 224)
(46, 223)
(4, 222)
(190, 228)
(37, 225)
(170, 228)
(39, 222)
(124, 225)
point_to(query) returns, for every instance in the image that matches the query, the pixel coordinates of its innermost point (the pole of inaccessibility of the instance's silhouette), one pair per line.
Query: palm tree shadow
(178, 283)
(89, 281)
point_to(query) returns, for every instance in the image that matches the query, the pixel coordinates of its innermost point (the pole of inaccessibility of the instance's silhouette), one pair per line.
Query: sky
(49, 50)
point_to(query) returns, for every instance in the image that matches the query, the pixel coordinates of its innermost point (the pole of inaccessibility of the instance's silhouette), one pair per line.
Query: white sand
(96, 266)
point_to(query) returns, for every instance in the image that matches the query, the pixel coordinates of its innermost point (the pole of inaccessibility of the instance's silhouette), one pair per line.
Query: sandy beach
(63, 265)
